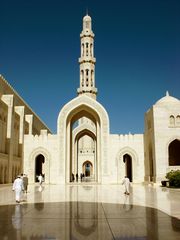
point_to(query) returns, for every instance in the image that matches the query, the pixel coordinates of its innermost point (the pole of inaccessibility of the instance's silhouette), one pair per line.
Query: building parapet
(127, 137)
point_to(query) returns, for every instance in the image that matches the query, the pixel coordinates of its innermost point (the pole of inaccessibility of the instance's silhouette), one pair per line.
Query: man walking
(18, 188)
(126, 184)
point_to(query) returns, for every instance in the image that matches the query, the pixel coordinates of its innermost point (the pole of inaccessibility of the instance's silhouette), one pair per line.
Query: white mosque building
(83, 143)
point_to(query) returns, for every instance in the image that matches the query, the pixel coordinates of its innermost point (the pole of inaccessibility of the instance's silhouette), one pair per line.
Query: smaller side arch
(129, 151)
(120, 163)
(174, 153)
(172, 121)
(170, 140)
(47, 159)
(87, 168)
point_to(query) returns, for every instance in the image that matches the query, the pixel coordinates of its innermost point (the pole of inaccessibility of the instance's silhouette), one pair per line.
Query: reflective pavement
(90, 211)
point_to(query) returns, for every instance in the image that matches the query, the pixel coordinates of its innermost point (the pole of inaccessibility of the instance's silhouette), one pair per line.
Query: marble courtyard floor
(90, 211)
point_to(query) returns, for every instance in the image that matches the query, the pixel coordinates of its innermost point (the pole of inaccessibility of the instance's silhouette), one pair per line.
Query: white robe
(18, 187)
(126, 183)
(40, 179)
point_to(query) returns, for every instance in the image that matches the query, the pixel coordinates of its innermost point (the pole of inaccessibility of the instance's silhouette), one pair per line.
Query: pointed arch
(172, 121)
(47, 158)
(87, 168)
(121, 171)
(84, 128)
(174, 153)
(173, 138)
(78, 133)
(71, 112)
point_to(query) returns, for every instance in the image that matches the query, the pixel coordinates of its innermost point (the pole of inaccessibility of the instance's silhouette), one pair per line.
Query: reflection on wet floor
(82, 220)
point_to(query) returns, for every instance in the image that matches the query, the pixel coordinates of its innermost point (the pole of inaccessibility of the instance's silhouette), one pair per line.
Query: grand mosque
(83, 142)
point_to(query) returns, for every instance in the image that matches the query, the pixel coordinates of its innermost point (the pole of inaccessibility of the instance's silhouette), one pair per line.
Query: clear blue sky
(137, 47)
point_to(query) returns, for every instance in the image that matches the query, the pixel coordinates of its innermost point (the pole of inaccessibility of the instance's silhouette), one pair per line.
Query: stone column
(29, 119)
(9, 101)
(20, 111)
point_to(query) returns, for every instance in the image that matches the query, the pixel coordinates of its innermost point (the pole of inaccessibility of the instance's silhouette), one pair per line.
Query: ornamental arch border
(80, 101)
(120, 166)
(66, 116)
(82, 128)
(47, 157)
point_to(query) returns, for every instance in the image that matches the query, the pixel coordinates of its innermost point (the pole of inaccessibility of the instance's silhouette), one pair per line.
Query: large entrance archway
(127, 159)
(80, 111)
(174, 153)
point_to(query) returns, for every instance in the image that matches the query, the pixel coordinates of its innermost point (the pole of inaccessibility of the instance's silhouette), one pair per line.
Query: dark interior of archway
(174, 153)
(38, 166)
(88, 168)
(128, 161)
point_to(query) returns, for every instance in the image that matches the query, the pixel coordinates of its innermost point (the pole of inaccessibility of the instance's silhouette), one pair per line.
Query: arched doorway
(84, 148)
(39, 161)
(127, 159)
(81, 117)
(174, 153)
(81, 145)
(83, 108)
(87, 169)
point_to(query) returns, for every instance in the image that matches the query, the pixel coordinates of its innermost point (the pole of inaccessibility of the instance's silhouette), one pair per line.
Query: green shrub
(174, 178)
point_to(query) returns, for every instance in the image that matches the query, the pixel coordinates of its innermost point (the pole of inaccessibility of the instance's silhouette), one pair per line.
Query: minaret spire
(87, 60)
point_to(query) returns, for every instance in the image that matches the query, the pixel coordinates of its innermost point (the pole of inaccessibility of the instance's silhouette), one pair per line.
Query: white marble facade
(16, 119)
(83, 143)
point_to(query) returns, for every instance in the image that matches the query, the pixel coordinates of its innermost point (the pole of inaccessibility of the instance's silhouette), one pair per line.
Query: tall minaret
(87, 60)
